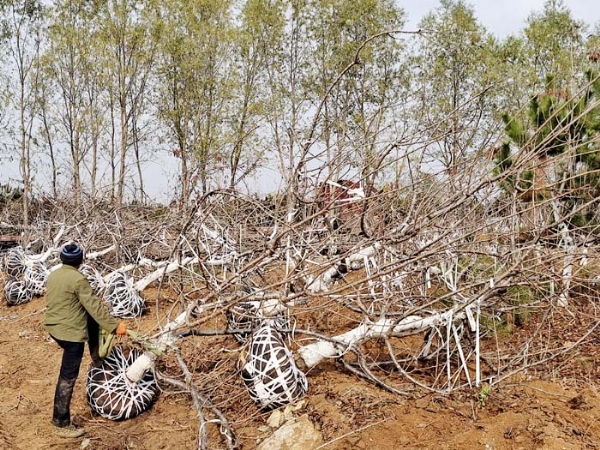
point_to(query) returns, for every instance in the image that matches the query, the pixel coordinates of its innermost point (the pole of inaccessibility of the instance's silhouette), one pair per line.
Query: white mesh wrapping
(14, 262)
(36, 275)
(248, 316)
(112, 395)
(16, 292)
(93, 277)
(124, 301)
(270, 372)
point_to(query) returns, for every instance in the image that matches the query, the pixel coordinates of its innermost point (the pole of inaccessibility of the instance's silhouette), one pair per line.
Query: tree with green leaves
(454, 74)
(195, 84)
(286, 102)
(550, 48)
(65, 61)
(556, 148)
(554, 46)
(356, 39)
(128, 37)
(255, 42)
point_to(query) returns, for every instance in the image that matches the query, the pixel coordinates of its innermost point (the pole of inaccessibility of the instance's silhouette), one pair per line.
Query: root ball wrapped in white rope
(112, 395)
(93, 277)
(124, 301)
(270, 372)
(15, 262)
(35, 276)
(16, 292)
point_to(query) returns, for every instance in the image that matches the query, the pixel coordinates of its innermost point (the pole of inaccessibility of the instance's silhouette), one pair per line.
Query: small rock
(296, 406)
(298, 434)
(276, 419)
(85, 443)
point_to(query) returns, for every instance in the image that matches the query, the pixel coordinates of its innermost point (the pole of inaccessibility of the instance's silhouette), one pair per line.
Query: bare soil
(555, 406)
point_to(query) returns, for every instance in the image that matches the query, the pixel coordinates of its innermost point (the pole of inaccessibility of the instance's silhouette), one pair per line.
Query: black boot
(62, 402)
(61, 417)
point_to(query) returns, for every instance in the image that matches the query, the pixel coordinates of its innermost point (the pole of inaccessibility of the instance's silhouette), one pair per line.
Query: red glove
(121, 329)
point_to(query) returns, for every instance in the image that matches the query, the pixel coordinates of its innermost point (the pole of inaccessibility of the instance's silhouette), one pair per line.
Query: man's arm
(94, 307)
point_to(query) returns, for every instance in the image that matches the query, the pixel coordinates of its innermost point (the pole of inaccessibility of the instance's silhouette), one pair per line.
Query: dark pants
(69, 370)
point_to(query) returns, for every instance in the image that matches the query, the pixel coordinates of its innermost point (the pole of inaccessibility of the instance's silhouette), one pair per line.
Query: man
(72, 317)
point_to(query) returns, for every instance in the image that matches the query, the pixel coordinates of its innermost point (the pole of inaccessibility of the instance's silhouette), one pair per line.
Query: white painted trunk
(162, 271)
(354, 261)
(314, 353)
(145, 362)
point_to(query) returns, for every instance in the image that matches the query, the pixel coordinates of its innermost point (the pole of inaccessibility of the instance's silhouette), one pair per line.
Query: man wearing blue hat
(73, 315)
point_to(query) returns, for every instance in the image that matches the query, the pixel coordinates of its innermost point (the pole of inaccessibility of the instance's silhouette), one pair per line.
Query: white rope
(123, 300)
(93, 277)
(269, 370)
(16, 292)
(26, 277)
(112, 395)
(15, 262)
(36, 275)
(250, 315)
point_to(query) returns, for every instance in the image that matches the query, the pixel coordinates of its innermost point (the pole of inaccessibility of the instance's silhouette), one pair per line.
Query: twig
(350, 433)
(19, 397)
(201, 402)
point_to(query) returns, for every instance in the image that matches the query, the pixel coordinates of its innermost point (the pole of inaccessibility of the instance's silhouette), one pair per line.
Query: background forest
(91, 90)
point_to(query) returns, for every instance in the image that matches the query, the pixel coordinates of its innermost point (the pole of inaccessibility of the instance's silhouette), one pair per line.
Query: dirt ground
(556, 408)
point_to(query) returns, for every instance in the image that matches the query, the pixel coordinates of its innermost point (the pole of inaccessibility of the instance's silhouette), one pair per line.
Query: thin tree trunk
(51, 151)
(25, 157)
(136, 148)
(113, 152)
(76, 161)
(122, 162)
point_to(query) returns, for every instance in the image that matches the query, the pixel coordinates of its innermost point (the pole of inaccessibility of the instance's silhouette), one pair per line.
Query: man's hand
(121, 329)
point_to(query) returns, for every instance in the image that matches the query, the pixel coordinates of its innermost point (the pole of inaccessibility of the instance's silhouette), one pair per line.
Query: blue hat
(71, 254)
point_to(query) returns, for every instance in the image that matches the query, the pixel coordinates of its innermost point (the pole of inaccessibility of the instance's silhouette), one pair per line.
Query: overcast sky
(504, 17)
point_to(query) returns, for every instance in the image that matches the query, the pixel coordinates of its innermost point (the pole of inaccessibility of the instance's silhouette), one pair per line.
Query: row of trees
(329, 88)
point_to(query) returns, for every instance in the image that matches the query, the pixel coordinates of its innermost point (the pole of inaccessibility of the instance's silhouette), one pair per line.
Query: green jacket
(70, 301)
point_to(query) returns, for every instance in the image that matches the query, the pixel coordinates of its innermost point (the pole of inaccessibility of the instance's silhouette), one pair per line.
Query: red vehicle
(343, 202)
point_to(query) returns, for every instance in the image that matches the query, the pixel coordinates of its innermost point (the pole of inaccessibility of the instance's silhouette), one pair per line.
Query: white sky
(506, 16)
